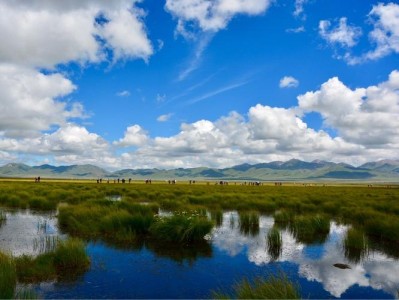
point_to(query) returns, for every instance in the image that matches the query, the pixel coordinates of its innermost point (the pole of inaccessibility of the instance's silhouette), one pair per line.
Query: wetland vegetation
(172, 221)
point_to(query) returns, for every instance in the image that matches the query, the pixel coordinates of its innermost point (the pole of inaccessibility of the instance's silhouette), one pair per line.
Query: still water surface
(163, 271)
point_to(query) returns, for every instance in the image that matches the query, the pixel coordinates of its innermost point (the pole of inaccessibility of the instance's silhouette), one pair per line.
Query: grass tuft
(273, 287)
(8, 276)
(70, 257)
(181, 228)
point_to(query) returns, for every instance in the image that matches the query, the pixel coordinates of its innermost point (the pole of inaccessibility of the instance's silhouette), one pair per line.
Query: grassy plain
(84, 208)
(137, 213)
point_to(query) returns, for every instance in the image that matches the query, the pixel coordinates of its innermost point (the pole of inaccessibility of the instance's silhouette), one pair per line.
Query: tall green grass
(68, 261)
(181, 228)
(273, 287)
(374, 211)
(8, 276)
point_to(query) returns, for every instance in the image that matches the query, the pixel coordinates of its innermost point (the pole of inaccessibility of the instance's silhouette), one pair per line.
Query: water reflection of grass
(310, 229)
(217, 217)
(274, 243)
(273, 287)
(3, 217)
(45, 244)
(249, 222)
(307, 229)
(355, 245)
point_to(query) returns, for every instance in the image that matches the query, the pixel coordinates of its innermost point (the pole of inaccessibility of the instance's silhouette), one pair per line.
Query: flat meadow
(125, 215)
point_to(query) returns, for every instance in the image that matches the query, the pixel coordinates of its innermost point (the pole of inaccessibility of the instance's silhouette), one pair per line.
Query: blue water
(154, 271)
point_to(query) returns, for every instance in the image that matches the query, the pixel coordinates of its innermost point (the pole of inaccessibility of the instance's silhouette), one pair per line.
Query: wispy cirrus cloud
(196, 58)
(343, 34)
(216, 92)
(200, 20)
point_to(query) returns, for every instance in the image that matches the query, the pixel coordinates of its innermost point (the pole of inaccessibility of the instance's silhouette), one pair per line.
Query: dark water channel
(230, 254)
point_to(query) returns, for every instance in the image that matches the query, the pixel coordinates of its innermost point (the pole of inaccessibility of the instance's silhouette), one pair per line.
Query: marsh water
(229, 254)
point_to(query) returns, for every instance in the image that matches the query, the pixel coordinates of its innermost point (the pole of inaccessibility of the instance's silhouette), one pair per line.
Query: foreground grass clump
(117, 222)
(181, 228)
(8, 276)
(274, 287)
(68, 261)
(70, 257)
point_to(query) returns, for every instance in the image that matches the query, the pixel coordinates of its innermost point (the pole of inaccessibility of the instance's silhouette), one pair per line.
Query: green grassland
(129, 215)
(85, 211)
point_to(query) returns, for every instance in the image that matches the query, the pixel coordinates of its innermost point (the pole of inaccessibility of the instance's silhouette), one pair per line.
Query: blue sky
(187, 83)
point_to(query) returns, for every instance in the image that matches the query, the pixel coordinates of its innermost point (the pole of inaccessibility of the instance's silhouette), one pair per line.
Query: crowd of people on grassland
(220, 182)
(174, 181)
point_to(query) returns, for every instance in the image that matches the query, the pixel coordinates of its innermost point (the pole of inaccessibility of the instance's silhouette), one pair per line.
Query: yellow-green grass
(68, 260)
(374, 210)
(8, 276)
(181, 228)
(273, 287)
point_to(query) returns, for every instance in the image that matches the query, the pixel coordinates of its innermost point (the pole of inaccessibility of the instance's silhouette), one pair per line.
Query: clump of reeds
(249, 223)
(310, 229)
(68, 260)
(70, 257)
(274, 243)
(273, 287)
(355, 245)
(8, 276)
(181, 228)
(35, 269)
(283, 218)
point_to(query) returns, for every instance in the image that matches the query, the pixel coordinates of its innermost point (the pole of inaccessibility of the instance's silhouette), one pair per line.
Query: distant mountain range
(294, 169)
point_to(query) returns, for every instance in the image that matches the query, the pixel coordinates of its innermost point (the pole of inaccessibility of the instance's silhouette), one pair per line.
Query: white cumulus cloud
(48, 33)
(134, 136)
(288, 82)
(211, 15)
(343, 34)
(385, 34)
(365, 116)
(29, 100)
